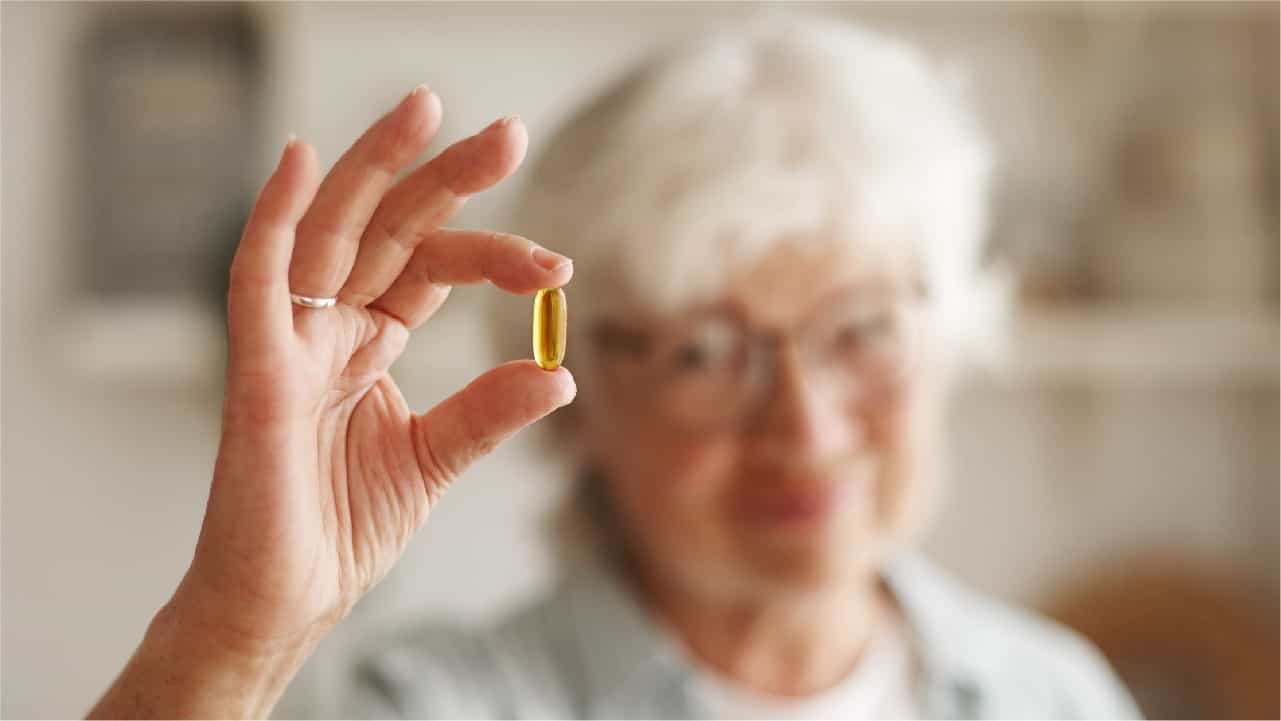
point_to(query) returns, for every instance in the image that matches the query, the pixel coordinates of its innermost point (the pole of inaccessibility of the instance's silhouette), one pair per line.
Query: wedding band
(309, 302)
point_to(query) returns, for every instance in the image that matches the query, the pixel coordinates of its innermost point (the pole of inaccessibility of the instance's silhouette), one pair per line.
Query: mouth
(802, 502)
(804, 505)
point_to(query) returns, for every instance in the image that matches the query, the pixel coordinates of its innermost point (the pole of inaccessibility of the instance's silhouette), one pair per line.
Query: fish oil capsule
(550, 324)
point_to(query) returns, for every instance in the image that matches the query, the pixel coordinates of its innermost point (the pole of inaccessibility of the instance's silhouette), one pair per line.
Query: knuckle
(493, 255)
(329, 228)
(478, 441)
(450, 170)
(496, 241)
(396, 143)
(436, 475)
(418, 270)
(357, 297)
(242, 279)
(480, 162)
(410, 237)
(403, 236)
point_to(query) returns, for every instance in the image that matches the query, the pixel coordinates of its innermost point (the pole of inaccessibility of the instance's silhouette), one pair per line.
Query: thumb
(472, 422)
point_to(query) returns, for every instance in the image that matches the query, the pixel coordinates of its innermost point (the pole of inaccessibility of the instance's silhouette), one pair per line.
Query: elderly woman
(776, 233)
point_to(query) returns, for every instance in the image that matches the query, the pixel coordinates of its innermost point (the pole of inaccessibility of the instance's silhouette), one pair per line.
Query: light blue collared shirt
(589, 651)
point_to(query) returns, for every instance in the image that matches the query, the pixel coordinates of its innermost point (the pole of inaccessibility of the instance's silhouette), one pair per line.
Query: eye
(615, 340)
(862, 330)
(691, 357)
(707, 348)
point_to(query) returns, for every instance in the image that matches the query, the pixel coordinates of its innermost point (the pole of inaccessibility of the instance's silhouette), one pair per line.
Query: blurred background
(1120, 474)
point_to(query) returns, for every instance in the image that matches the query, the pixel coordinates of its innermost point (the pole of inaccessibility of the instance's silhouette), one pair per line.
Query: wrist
(234, 629)
(185, 668)
(253, 670)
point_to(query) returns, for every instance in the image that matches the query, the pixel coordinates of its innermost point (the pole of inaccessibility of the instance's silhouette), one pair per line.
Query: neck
(794, 645)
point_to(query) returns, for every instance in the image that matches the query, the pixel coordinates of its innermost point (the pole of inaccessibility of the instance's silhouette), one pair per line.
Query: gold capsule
(550, 323)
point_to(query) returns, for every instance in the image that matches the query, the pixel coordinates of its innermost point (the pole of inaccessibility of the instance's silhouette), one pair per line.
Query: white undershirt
(881, 686)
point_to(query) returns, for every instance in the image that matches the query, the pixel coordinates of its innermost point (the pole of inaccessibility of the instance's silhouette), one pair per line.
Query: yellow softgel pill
(550, 323)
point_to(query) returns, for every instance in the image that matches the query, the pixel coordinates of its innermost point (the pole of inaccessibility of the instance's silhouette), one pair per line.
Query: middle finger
(330, 231)
(425, 199)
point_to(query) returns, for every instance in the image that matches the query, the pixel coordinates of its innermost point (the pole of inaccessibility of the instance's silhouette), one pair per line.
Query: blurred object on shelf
(1142, 166)
(1145, 346)
(1191, 639)
(1191, 215)
(170, 105)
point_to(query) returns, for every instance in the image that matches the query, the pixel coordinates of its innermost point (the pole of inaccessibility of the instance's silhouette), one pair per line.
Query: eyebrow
(873, 286)
(637, 335)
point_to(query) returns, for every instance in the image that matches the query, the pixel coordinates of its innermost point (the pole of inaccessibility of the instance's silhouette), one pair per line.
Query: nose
(805, 419)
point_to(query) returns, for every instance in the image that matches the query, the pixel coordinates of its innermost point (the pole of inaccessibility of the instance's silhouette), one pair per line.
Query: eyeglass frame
(759, 343)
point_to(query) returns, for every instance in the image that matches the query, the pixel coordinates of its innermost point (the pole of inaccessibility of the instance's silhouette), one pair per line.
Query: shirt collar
(627, 656)
(629, 659)
(951, 675)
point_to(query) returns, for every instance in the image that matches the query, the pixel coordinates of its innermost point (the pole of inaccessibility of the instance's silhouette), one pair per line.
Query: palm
(323, 471)
(372, 487)
(370, 491)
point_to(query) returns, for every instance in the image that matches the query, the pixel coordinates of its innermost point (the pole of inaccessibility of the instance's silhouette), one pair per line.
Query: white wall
(104, 485)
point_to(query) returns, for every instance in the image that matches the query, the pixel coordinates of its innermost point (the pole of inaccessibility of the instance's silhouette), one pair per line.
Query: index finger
(450, 257)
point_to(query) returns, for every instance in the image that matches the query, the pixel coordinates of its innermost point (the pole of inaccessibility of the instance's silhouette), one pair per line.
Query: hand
(323, 472)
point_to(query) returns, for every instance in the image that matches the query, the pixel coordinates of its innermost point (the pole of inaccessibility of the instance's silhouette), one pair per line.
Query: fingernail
(289, 141)
(405, 101)
(573, 386)
(417, 91)
(548, 260)
(503, 122)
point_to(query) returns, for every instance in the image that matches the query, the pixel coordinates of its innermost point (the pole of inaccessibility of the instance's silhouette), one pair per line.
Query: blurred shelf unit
(171, 345)
(1145, 346)
(183, 344)
(169, 103)
(169, 106)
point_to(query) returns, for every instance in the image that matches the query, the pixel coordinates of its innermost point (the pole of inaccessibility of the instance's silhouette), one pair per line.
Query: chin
(807, 566)
(842, 547)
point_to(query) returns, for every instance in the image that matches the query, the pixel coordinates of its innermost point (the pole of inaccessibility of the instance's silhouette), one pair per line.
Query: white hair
(698, 161)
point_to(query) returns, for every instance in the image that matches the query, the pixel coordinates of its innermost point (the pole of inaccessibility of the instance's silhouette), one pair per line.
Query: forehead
(795, 276)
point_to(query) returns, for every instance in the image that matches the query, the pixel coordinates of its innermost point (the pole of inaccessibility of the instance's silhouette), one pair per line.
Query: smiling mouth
(810, 500)
(802, 506)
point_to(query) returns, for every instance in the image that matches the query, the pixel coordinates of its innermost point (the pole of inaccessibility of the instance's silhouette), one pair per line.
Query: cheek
(674, 488)
(902, 436)
(651, 463)
(895, 423)
(889, 429)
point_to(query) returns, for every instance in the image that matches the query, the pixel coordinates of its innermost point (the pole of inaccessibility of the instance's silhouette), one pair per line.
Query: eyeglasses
(712, 369)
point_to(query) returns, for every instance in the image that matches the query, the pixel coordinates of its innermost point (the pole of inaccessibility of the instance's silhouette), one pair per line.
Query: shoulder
(518, 667)
(1012, 661)
(1043, 664)
(431, 670)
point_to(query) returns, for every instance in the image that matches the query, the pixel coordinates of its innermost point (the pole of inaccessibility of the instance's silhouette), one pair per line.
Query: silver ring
(309, 302)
